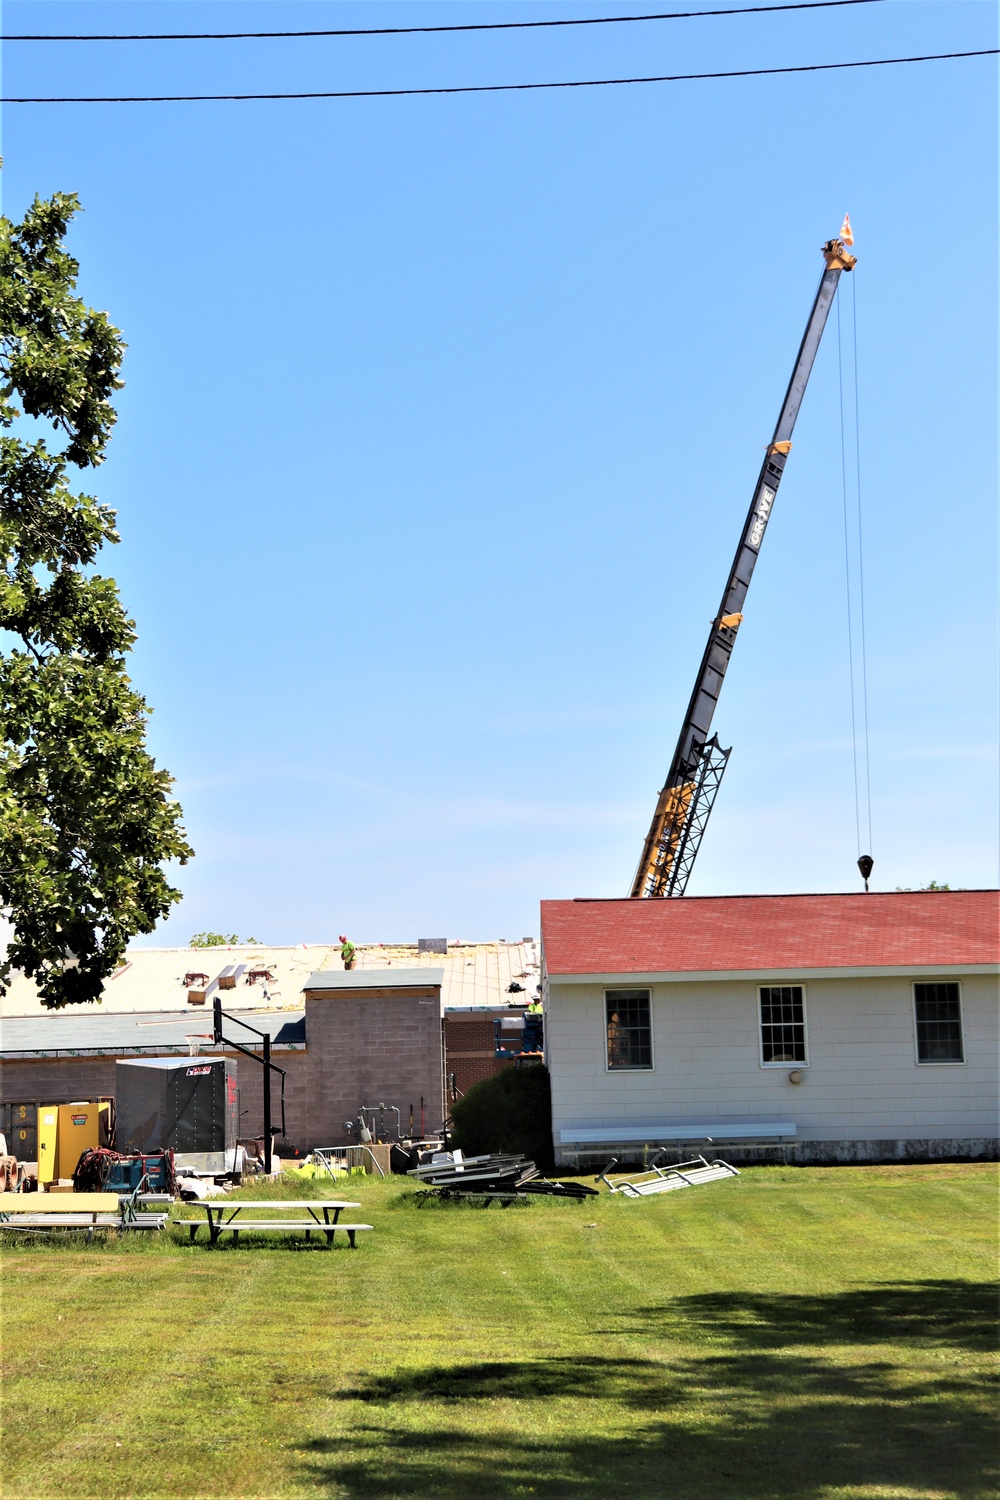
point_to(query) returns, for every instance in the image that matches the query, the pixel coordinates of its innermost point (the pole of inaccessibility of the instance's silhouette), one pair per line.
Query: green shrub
(507, 1114)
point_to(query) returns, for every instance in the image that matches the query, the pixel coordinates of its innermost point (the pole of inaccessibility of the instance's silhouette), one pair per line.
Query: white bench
(35, 1212)
(600, 1140)
(290, 1226)
(215, 1209)
(42, 1222)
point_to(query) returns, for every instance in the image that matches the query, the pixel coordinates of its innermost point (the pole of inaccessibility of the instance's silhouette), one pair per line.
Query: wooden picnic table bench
(89, 1211)
(219, 1224)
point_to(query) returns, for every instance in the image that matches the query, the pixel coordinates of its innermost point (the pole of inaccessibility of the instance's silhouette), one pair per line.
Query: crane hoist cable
(861, 562)
(858, 678)
(847, 587)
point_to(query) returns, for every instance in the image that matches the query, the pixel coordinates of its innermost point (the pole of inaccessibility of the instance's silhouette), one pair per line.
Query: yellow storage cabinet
(48, 1136)
(82, 1127)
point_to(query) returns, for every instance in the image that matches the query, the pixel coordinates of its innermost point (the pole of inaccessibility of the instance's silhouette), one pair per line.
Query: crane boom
(696, 770)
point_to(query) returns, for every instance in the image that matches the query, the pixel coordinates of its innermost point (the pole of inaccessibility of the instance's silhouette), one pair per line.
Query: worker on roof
(347, 951)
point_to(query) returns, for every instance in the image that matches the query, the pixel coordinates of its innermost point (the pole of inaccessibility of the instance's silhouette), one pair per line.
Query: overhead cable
(487, 88)
(234, 36)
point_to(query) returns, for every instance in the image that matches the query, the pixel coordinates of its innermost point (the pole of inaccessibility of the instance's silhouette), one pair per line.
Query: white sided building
(836, 1028)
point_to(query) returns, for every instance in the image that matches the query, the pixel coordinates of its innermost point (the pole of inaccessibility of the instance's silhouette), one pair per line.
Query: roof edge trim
(708, 976)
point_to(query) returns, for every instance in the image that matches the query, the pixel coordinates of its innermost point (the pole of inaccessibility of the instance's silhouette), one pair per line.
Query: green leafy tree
(509, 1112)
(217, 940)
(86, 817)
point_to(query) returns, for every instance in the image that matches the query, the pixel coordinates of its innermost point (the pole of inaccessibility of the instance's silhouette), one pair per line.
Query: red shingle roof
(705, 934)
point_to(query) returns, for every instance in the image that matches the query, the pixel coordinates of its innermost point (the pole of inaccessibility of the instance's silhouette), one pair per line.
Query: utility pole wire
(490, 88)
(234, 36)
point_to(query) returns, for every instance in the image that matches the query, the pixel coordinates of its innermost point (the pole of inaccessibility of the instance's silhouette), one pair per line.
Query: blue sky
(442, 417)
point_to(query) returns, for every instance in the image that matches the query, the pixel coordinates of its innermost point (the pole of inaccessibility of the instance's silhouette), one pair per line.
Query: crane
(685, 802)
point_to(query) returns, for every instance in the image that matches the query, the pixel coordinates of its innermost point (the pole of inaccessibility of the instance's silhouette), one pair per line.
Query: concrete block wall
(251, 1087)
(56, 1080)
(372, 1046)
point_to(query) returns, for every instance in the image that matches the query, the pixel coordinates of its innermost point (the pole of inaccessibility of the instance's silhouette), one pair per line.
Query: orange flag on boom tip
(846, 233)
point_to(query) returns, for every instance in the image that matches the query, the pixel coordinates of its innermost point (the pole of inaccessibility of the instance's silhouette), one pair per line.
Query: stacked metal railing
(491, 1178)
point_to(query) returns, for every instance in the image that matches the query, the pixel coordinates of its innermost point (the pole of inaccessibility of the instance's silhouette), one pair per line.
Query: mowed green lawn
(794, 1333)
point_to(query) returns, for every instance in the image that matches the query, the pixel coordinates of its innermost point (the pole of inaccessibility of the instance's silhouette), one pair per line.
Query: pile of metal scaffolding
(491, 1179)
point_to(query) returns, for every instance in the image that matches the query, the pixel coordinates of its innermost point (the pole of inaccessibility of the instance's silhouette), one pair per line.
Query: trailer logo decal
(196, 1072)
(760, 519)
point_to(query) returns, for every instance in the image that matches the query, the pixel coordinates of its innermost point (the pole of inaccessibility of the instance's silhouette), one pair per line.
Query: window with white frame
(629, 1029)
(938, 1016)
(782, 1024)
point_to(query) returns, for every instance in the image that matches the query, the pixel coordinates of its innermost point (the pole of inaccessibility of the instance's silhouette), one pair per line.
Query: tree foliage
(218, 940)
(86, 817)
(511, 1112)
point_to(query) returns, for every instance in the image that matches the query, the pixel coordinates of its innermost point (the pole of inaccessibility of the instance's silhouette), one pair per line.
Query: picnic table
(37, 1212)
(221, 1216)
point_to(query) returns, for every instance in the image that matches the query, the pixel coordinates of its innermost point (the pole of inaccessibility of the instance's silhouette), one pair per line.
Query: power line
(490, 88)
(232, 36)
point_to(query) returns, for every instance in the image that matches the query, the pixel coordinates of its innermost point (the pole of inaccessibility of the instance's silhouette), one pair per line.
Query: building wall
(56, 1080)
(470, 1048)
(365, 1046)
(251, 1086)
(52, 1080)
(861, 1084)
(372, 1046)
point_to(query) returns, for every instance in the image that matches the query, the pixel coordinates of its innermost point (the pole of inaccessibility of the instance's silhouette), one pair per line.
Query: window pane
(782, 1024)
(629, 1036)
(939, 1023)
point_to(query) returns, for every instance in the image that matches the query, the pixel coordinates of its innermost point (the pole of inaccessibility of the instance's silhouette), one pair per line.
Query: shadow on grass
(962, 1314)
(427, 1199)
(754, 1415)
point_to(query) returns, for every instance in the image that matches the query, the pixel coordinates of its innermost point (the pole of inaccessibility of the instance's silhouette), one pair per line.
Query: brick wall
(470, 1050)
